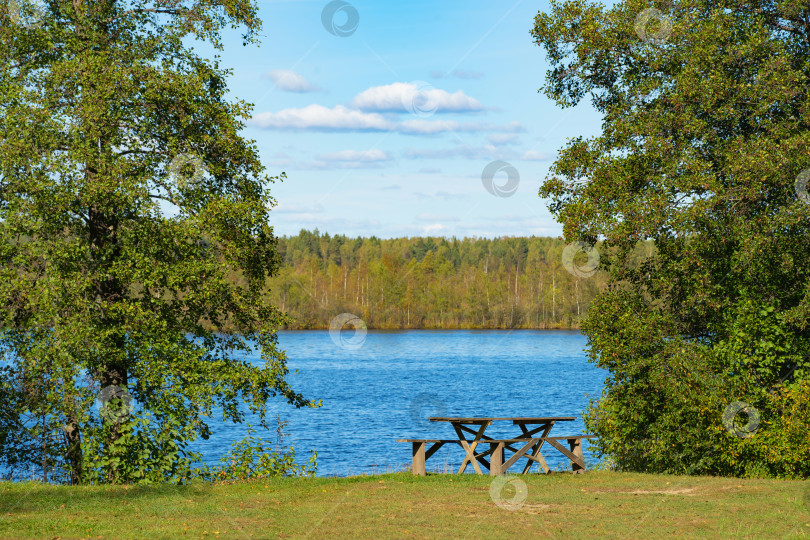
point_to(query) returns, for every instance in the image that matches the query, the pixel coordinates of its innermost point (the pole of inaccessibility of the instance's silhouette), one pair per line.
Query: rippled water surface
(386, 388)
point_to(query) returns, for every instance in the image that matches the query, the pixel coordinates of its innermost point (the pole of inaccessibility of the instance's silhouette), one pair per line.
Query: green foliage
(140, 452)
(760, 348)
(145, 452)
(662, 409)
(250, 459)
(704, 135)
(785, 443)
(113, 260)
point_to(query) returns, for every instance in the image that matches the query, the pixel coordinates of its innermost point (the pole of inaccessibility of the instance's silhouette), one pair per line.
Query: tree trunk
(486, 280)
(553, 298)
(543, 302)
(73, 452)
(104, 249)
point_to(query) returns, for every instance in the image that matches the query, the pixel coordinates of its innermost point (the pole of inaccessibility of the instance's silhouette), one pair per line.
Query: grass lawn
(595, 504)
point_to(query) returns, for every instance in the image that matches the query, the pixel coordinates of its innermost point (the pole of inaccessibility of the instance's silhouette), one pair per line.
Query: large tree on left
(128, 201)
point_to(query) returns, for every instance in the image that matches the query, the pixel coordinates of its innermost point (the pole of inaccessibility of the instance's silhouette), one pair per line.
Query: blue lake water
(383, 387)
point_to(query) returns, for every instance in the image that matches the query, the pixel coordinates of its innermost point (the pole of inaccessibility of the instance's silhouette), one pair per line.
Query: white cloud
(534, 155)
(341, 118)
(355, 155)
(460, 151)
(502, 138)
(290, 81)
(432, 127)
(318, 117)
(514, 127)
(414, 97)
(436, 228)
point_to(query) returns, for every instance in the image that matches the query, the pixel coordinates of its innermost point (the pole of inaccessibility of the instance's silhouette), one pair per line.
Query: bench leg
(496, 459)
(576, 448)
(419, 458)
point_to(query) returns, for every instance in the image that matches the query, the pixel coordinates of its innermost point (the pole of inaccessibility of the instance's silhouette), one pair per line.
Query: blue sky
(387, 130)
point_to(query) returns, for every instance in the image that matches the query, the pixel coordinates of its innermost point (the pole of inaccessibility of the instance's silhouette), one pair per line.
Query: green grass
(595, 504)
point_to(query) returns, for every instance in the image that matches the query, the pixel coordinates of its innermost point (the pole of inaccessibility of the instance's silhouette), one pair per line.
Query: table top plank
(513, 419)
(495, 441)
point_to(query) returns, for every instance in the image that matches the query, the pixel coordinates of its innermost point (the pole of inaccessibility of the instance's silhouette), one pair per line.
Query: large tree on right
(705, 152)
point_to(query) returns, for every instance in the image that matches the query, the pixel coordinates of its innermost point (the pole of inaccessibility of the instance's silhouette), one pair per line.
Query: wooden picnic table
(529, 426)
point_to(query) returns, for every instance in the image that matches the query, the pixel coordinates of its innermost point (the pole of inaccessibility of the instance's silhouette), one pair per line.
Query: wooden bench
(530, 450)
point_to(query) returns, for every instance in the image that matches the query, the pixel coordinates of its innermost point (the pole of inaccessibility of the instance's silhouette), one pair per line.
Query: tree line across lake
(515, 282)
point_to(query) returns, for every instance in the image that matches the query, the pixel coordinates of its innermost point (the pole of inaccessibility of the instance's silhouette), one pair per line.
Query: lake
(382, 386)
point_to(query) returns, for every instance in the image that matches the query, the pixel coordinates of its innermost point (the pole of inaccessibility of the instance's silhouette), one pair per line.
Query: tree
(109, 126)
(705, 132)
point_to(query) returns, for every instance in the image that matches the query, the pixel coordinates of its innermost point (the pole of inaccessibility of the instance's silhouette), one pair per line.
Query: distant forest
(430, 282)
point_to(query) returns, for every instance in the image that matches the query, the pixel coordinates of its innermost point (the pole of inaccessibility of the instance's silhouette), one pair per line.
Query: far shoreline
(320, 329)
